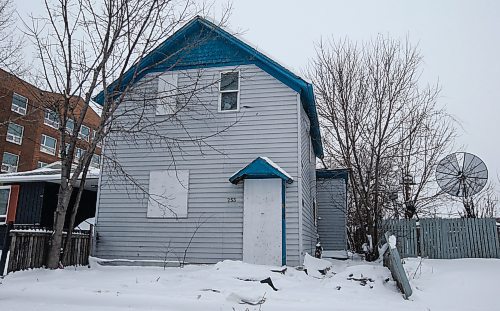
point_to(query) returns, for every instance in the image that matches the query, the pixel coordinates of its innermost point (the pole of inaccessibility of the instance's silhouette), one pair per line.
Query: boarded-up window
(168, 193)
(167, 94)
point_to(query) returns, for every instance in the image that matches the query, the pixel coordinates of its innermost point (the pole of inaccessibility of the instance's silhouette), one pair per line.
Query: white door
(262, 221)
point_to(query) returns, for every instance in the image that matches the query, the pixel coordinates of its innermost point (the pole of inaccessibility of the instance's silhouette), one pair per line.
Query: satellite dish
(461, 174)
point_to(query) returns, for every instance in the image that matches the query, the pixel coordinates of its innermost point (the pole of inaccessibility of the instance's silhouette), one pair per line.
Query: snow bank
(463, 284)
(316, 267)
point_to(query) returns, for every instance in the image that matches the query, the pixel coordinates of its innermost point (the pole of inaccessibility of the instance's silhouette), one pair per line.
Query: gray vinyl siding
(309, 232)
(332, 211)
(266, 125)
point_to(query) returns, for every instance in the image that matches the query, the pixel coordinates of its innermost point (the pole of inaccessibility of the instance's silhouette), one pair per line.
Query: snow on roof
(276, 166)
(51, 172)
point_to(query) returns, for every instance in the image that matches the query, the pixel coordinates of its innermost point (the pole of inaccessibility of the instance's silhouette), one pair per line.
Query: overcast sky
(460, 42)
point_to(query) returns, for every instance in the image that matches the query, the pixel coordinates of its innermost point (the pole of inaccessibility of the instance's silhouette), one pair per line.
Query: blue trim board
(283, 223)
(259, 169)
(202, 44)
(341, 173)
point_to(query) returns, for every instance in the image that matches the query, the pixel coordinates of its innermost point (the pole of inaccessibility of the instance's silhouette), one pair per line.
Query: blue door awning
(260, 168)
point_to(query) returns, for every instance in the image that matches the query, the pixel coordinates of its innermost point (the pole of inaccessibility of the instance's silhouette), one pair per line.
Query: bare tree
(379, 122)
(84, 45)
(10, 44)
(482, 205)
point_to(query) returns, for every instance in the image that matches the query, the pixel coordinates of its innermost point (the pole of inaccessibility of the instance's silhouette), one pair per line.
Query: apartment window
(70, 125)
(78, 153)
(229, 88)
(51, 119)
(41, 164)
(9, 162)
(4, 203)
(19, 104)
(84, 132)
(48, 144)
(15, 133)
(99, 144)
(167, 94)
(96, 160)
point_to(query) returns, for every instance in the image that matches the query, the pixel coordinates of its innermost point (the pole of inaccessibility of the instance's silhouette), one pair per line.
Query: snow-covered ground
(461, 284)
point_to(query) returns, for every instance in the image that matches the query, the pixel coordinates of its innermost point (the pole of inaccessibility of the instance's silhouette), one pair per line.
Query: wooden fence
(446, 238)
(29, 248)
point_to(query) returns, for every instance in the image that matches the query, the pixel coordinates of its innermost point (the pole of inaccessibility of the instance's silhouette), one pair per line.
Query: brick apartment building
(29, 138)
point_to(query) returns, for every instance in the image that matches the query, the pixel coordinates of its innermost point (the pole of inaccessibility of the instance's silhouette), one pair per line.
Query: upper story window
(10, 162)
(4, 203)
(48, 144)
(78, 153)
(167, 94)
(84, 132)
(96, 160)
(51, 119)
(99, 144)
(19, 104)
(41, 164)
(70, 125)
(15, 133)
(229, 87)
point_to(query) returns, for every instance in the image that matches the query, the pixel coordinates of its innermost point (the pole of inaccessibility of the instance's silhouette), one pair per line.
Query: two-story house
(232, 173)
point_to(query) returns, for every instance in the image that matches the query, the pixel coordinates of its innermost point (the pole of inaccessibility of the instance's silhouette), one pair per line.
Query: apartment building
(29, 135)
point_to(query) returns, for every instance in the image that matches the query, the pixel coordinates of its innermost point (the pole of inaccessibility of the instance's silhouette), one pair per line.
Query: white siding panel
(308, 166)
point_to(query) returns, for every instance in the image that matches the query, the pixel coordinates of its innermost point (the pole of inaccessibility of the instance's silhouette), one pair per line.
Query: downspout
(283, 223)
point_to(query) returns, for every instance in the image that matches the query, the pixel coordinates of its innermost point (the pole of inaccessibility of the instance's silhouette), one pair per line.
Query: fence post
(5, 249)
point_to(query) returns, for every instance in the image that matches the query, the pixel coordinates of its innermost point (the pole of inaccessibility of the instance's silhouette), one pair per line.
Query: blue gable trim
(201, 44)
(341, 173)
(259, 169)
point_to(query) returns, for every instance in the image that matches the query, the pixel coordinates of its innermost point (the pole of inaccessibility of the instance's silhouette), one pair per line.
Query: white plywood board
(262, 231)
(168, 194)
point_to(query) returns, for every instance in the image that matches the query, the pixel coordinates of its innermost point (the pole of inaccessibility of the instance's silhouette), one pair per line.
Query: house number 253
(231, 200)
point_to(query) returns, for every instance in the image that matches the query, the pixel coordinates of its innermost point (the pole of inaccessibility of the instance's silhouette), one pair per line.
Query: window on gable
(48, 144)
(84, 132)
(229, 87)
(167, 94)
(19, 104)
(15, 133)
(51, 119)
(4, 203)
(9, 162)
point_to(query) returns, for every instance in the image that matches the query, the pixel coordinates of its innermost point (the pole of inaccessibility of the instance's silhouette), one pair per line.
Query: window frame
(42, 146)
(3, 158)
(93, 163)
(80, 135)
(171, 107)
(20, 137)
(68, 130)
(219, 105)
(4, 216)
(51, 123)
(19, 110)
(41, 164)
